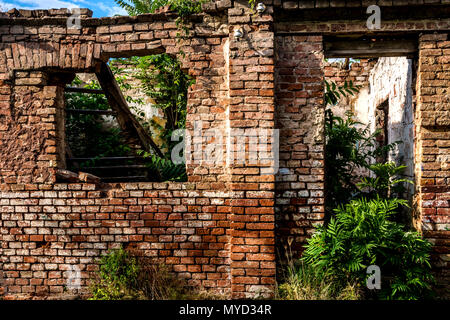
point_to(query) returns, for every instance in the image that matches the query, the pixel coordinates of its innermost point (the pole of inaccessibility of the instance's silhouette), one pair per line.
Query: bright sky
(101, 8)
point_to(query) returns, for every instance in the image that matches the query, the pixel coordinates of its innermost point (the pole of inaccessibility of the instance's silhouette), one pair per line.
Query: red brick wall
(294, 93)
(433, 147)
(358, 72)
(47, 227)
(28, 113)
(310, 4)
(220, 239)
(300, 118)
(251, 94)
(45, 231)
(219, 229)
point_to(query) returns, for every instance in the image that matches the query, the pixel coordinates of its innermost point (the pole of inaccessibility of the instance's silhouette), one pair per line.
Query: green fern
(362, 233)
(167, 170)
(334, 92)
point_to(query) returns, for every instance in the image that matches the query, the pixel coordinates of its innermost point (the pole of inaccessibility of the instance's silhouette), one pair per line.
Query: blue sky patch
(101, 8)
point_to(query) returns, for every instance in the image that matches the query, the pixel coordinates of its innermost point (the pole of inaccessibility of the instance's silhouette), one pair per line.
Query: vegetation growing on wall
(183, 8)
(363, 233)
(129, 275)
(124, 276)
(361, 229)
(161, 79)
(302, 281)
(348, 150)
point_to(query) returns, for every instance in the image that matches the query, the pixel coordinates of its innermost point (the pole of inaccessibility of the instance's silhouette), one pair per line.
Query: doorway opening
(374, 79)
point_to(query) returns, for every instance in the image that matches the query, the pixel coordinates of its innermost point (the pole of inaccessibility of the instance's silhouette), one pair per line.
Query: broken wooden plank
(89, 178)
(125, 117)
(84, 90)
(69, 154)
(63, 175)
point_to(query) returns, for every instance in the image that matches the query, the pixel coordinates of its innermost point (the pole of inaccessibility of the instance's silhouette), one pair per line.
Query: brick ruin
(385, 102)
(219, 230)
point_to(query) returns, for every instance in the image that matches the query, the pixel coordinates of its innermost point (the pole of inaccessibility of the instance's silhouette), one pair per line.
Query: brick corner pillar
(251, 134)
(31, 142)
(432, 152)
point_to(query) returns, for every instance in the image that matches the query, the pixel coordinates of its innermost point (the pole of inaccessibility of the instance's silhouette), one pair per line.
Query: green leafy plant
(117, 277)
(163, 79)
(334, 92)
(168, 171)
(349, 153)
(362, 230)
(302, 281)
(360, 234)
(183, 8)
(305, 282)
(135, 7)
(129, 275)
(386, 183)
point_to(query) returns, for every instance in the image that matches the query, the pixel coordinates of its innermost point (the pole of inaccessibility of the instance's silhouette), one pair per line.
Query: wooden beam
(125, 118)
(369, 49)
(69, 155)
(66, 175)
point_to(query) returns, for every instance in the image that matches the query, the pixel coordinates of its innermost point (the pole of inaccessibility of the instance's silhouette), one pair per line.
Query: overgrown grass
(306, 283)
(128, 275)
(300, 281)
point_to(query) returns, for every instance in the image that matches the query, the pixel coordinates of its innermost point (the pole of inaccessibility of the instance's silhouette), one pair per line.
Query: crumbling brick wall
(433, 145)
(385, 81)
(358, 73)
(219, 229)
(302, 19)
(300, 118)
(53, 229)
(232, 252)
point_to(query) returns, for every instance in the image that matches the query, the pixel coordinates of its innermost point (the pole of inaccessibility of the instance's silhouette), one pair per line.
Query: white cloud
(111, 11)
(118, 10)
(4, 6)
